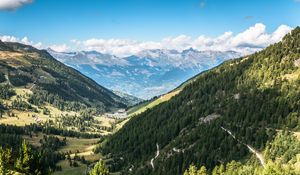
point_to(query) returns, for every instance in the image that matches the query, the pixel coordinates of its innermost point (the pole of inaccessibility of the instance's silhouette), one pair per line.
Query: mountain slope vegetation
(282, 155)
(50, 114)
(51, 81)
(253, 97)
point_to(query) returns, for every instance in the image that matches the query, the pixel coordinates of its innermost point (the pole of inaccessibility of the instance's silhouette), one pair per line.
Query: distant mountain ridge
(129, 99)
(147, 74)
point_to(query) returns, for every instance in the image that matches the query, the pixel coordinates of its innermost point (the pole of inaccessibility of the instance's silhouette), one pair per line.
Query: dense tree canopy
(253, 96)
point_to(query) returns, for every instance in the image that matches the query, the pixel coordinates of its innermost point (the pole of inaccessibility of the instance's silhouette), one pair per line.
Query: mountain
(49, 81)
(129, 99)
(49, 113)
(231, 112)
(147, 74)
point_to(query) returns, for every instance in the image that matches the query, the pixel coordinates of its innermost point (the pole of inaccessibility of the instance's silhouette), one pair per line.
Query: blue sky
(57, 22)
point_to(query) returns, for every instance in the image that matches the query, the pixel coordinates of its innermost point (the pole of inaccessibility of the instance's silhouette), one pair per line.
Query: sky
(124, 27)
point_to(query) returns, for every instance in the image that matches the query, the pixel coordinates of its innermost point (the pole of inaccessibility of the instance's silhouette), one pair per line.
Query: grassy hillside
(142, 107)
(252, 97)
(35, 88)
(50, 150)
(54, 108)
(51, 81)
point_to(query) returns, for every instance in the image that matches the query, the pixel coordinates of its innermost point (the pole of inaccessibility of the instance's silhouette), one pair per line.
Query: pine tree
(221, 169)
(191, 171)
(99, 169)
(202, 171)
(25, 159)
(5, 158)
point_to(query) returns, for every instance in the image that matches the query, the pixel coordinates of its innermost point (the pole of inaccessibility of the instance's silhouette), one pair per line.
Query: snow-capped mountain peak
(87, 58)
(146, 74)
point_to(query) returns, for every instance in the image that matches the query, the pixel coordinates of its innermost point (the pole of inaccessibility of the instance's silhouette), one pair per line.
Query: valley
(149, 87)
(146, 74)
(209, 120)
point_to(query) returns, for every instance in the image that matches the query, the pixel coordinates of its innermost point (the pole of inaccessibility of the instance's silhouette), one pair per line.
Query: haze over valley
(145, 75)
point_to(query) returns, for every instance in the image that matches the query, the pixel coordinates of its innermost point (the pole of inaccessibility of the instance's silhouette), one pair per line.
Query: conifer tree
(5, 158)
(191, 171)
(99, 169)
(25, 159)
(202, 171)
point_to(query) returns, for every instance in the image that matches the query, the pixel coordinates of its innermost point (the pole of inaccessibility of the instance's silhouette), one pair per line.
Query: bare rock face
(209, 118)
(297, 62)
(236, 96)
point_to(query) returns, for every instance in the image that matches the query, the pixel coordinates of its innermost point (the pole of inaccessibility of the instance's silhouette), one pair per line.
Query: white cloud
(120, 47)
(75, 41)
(280, 33)
(252, 39)
(7, 38)
(13, 4)
(25, 40)
(177, 42)
(254, 36)
(60, 48)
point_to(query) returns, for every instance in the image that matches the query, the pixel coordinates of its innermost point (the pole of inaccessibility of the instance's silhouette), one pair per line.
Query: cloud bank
(13, 4)
(248, 41)
(251, 40)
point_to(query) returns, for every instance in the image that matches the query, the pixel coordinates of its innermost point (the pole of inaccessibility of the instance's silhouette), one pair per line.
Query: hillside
(36, 88)
(50, 113)
(252, 97)
(148, 104)
(281, 157)
(25, 66)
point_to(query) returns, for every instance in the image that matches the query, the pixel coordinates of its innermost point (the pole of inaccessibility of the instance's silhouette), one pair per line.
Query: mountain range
(144, 75)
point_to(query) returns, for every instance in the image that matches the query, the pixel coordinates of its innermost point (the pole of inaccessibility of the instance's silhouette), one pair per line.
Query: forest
(16, 155)
(255, 96)
(281, 160)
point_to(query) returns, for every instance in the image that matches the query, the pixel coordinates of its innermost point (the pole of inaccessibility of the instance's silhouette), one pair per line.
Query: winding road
(251, 149)
(157, 154)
